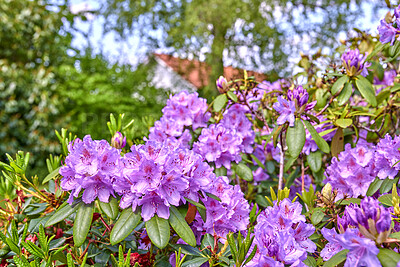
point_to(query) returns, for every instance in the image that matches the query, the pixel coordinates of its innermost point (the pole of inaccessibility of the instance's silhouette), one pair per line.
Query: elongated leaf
(338, 85)
(345, 94)
(180, 226)
(386, 200)
(388, 258)
(336, 259)
(51, 175)
(295, 138)
(83, 221)
(62, 213)
(374, 186)
(197, 204)
(343, 123)
(125, 224)
(196, 262)
(387, 185)
(366, 90)
(243, 171)
(220, 102)
(337, 144)
(321, 143)
(158, 231)
(111, 208)
(314, 160)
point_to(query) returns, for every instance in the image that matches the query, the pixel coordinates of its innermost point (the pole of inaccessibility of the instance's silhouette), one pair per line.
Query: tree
(254, 33)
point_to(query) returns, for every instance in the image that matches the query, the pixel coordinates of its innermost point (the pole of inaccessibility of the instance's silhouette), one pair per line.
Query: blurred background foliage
(46, 83)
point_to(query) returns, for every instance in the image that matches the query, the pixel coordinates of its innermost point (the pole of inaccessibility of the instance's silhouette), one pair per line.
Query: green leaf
(196, 262)
(336, 259)
(51, 175)
(374, 186)
(338, 85)
(62, 213)
(345, 94)
(321, 143)
(310, 261)
(219, 102)
(388, 258)
(376, 50)
(387, 185)
(348, 201)
(181, 227)
(317, 216)
(395, 88)
(197, 204)
(343, 123)
(386, 200)
(111, 208)
(314, 160)
(259, 163)
(366, 90)
(82, 223)
(243, 171)
(295, 138)
(383, 95)
(158, 231)
(232, 96)
(125, 224)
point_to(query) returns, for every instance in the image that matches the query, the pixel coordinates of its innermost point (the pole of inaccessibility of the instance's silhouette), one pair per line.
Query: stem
(281, 163)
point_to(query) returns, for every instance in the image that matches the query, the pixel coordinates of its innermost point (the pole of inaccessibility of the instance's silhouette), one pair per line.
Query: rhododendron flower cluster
(387, 157)
(282, 236)
(362, 251)
(231, 214)
(389, 29)
(92, 167)
(355, 63)
(222, 143)
(156, 176)
(182, 110)
(352, 172)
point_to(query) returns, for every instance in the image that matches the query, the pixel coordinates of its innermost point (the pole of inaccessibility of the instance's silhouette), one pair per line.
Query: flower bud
(118, 140)
(327, 193)
(222, 84)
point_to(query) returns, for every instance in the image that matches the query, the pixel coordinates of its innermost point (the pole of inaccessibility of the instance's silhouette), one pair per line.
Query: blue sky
(131, 51)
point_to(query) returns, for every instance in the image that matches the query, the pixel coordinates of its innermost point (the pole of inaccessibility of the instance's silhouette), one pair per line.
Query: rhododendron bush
(302, 171)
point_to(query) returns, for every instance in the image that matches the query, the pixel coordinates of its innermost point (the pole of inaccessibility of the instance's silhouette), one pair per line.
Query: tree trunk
(215, 61)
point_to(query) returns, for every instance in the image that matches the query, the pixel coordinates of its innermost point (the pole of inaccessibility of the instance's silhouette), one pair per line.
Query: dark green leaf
(62, 213)
(181, 227)
(125, 224)
(219, 102)
(317, 216)
(310, 261)
(383, 95)
(314, 160)
(196, 262)
(111, 208)
(197, 204)
(243, 171)
(187, 250)
(387, 185)
(158, 231)
(338, 85)
(336, 259)
(82, 223)
(374, 186)
(366, 90)
(388, 258)
(345, 94)
(295, 138)
(321, 143)
(348, 201)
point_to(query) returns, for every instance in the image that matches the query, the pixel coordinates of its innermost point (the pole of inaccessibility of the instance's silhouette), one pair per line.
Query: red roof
(196, 72)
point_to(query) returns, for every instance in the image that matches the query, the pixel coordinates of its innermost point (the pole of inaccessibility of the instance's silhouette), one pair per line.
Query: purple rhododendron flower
(286, 109)
(92, 167)
(362, 251)
(388, 79)
(283, 235)
(182, 110)
(387, 33)
(355, 63)
(300, 96)
(387, 156)
(229, 214)
(157, 175)
(220, 145)
(353, 172)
